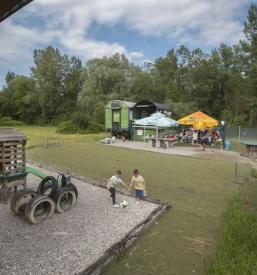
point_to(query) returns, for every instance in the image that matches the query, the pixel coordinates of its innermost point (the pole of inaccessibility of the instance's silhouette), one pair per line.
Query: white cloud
(136, 55)
(203, 23)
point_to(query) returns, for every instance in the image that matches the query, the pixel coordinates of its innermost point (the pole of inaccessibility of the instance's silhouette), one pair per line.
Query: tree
(19, 99)
(57, 79)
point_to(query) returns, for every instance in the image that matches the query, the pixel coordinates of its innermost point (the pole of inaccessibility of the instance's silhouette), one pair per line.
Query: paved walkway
(188, 151)
(174, 150)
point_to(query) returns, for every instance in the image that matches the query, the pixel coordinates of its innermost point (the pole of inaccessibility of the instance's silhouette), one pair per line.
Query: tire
(65, 199)
(39, 209)
(48, 183)
(62, 180)
(20, 200)
(73, 188)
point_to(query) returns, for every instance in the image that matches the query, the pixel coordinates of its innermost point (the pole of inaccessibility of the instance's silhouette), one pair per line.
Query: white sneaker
(115, 206)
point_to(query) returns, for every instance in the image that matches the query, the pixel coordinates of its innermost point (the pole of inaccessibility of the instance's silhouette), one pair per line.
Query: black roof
(8, 7)
(159, 106)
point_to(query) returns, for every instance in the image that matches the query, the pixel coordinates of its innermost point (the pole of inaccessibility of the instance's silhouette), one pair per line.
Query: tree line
(222, 83)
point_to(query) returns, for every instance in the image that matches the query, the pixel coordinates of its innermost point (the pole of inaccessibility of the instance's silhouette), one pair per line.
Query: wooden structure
(54, 141)
(250, 148)
(161, 142)
(12, 160)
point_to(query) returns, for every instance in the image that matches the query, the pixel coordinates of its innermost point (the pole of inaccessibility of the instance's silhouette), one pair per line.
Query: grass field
(237, 253)
(38, 134)
(184, 240)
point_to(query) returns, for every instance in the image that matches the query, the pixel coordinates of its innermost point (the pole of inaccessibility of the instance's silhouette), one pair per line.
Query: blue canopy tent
(156, 121)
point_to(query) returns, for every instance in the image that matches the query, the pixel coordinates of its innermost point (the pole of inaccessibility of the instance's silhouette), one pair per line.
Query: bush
(95, 127)
(67, 127)
(81, 119)
(9, 122)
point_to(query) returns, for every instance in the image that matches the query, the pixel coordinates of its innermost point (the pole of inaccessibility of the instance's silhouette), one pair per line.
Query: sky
(141, 29)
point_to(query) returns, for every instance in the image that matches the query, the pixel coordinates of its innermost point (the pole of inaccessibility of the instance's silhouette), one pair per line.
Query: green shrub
(95, 127)
(80, 119)
(67, 127)
(9, 122)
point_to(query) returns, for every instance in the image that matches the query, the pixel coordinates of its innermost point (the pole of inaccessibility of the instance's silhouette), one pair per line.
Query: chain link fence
(241, 133)
(246, 176)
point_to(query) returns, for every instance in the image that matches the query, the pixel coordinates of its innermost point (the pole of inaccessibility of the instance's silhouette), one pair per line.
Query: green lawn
(38, 134)
(237, 253)
(183, 241)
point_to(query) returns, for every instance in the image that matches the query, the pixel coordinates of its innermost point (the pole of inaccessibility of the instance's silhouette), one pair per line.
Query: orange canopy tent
(199, 120)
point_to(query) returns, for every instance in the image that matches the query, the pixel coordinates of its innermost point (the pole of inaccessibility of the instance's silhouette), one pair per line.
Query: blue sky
(140, 29)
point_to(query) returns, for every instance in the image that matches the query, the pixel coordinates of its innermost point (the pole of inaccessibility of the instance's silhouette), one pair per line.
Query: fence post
(236, 172)
(239, 132)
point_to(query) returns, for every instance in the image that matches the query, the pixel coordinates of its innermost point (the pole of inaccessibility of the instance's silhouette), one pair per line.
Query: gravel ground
(67, 243)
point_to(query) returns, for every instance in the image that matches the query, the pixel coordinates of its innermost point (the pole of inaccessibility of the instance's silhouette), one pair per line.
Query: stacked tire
(38, 206)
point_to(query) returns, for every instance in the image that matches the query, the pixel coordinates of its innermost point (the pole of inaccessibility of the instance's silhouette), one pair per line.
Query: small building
(118, 117)
(146, 108)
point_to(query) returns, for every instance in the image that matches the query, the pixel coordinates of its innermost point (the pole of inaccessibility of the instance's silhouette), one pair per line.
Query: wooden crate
(12, 159)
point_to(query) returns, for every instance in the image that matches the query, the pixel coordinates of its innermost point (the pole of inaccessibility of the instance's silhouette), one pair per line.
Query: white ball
(124, 204)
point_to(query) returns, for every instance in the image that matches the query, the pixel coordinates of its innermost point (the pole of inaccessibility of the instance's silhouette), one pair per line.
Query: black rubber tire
(62, 180)
(40, 203)
(65, 199)
(73, 188)
(20, 200)
(46, 184)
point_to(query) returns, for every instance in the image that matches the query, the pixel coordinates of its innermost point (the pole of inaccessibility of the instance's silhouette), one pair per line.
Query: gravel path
(67, 243)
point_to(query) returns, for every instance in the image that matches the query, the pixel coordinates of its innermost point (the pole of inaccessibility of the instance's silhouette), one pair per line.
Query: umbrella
(199, 120)
(157, 119)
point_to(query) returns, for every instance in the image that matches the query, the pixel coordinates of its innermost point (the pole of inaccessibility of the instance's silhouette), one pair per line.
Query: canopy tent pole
(144, 132)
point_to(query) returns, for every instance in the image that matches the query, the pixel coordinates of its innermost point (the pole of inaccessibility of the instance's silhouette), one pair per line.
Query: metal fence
(241, 133)
(246, 176)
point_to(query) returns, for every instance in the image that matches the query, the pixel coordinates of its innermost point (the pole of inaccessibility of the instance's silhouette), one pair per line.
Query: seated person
(187, 137)
(195, 137)
(205, 139)
(214, 136)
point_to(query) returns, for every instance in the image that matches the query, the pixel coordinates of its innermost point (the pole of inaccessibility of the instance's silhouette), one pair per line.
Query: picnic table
(160, 142)
(250, 148)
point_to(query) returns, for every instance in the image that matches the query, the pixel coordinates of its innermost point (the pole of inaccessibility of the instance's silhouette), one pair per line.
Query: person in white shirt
(195, 137)
(112, 184)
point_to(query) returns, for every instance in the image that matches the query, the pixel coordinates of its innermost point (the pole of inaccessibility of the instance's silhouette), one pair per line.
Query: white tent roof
(158, 120)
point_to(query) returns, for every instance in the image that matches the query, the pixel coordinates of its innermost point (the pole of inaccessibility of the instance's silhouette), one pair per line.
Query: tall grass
(237, 252)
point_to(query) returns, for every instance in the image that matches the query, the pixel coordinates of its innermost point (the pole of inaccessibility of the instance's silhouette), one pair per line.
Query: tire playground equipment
(52, 195)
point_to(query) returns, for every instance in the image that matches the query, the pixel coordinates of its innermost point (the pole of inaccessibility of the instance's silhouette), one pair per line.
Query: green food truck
(118, 117)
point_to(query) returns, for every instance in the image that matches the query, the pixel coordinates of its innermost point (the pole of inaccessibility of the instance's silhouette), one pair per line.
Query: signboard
(139, 132)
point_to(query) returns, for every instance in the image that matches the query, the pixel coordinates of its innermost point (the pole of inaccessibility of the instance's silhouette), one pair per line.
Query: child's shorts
(139, 193)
